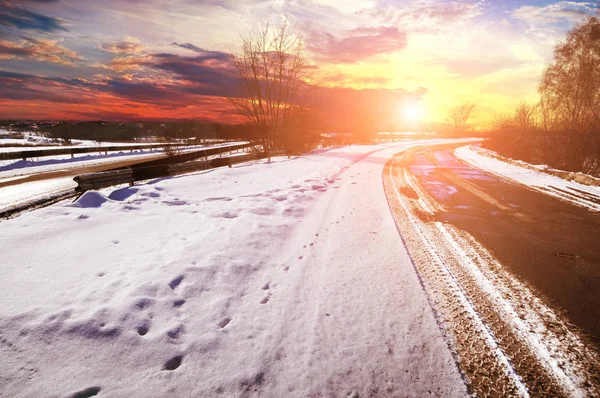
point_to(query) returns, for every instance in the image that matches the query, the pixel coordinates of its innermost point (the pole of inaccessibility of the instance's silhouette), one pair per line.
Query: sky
(141, 60)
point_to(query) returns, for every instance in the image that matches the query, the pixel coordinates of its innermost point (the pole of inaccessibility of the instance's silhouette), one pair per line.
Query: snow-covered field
(32, 141)
(281, 279)
(570, 191)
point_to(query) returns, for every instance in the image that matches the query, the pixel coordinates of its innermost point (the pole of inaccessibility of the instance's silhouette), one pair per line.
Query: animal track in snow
(176, 332)
(173, 363)
(224, 322)
(218, 198)
(143, 328)
(175, 282)
(88, 392)
(150, 194)
(226, 214)
(178, 302)
(262, 211)
(175, 202)
(144, 303)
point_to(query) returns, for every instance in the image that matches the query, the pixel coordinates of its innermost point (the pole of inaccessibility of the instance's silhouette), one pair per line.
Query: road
(511, 268)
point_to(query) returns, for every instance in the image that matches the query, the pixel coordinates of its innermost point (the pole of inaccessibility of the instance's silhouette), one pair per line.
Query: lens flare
(413, 113)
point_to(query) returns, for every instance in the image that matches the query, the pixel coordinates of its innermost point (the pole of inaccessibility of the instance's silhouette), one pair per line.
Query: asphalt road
(552, 245)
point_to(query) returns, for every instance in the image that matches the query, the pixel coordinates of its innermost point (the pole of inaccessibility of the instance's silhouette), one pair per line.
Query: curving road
(551, 244)
(513, 274)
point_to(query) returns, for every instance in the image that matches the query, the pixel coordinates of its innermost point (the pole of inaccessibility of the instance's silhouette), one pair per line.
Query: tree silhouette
(270, 64)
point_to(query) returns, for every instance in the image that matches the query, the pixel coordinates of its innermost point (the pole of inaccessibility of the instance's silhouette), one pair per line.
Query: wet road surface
(552, 245)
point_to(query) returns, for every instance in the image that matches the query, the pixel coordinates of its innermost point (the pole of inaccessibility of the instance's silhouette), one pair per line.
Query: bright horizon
(410, 60)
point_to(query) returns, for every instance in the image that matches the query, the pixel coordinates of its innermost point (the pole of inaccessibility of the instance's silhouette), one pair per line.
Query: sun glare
(413, 113)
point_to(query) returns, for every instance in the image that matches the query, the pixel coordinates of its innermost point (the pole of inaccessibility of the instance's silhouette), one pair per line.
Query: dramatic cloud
(424, 16)
(39, 50)
(553, 13)
(129, 46)
(210, 73)
(205, 54)
(159, 59)
(126, 63)
(361, 43)
(24, 19)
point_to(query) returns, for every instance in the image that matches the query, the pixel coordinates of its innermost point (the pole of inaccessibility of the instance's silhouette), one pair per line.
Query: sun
(413, 113)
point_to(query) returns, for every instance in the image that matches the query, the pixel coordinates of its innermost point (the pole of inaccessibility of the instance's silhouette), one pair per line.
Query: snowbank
(274, 279)
(570, 187)
(581, 178)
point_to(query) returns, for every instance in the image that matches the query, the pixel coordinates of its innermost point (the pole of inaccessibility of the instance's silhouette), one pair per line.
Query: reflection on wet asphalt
(525, 230)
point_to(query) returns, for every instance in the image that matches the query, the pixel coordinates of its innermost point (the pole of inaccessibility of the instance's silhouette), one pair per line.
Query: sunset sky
(134, 60)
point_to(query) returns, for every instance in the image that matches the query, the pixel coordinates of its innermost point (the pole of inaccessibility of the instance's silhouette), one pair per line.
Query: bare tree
(459, 117)
(570, 92)
(524, 117)
(270, 64)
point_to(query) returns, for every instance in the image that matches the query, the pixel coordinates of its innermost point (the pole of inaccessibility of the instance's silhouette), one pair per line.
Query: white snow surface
(569, 191)
(281, 279)
(34, 141)
(21, 195)
(28, 193)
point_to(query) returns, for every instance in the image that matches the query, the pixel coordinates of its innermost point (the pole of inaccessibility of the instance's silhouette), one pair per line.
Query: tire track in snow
(505, 340)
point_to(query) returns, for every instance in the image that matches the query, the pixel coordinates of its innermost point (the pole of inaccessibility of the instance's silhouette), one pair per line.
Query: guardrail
(103, 179)
(136, 173)
(37, 153)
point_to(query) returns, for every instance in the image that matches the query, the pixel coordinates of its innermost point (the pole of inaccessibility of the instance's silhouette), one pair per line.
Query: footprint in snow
(176, 282)
(173, 363)
(88, 392)
(224, 322)
(220, 198)
(143, 328)
(178, 302)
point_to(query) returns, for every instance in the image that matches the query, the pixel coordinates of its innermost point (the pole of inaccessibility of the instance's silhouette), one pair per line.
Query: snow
(275, 279)
(34, 141)
(17, 196)
(570, 191)
(21, 195)
(62, 162)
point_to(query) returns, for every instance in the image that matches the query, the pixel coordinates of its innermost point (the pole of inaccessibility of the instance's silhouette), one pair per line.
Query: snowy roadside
(275, 279)
(533, 177)
(18, 196)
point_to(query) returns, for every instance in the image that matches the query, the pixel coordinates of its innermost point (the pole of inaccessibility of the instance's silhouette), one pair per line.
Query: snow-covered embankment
(571, 191)
(275, 279)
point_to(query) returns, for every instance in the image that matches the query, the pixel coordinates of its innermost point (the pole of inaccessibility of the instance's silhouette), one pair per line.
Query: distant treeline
(563, 129)
(102, 131)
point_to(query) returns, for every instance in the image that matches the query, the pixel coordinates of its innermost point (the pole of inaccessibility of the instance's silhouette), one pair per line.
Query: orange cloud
(127, 46)
(39, 50)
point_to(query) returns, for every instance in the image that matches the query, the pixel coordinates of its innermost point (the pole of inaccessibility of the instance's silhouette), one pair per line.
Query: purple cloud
(359, 44)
